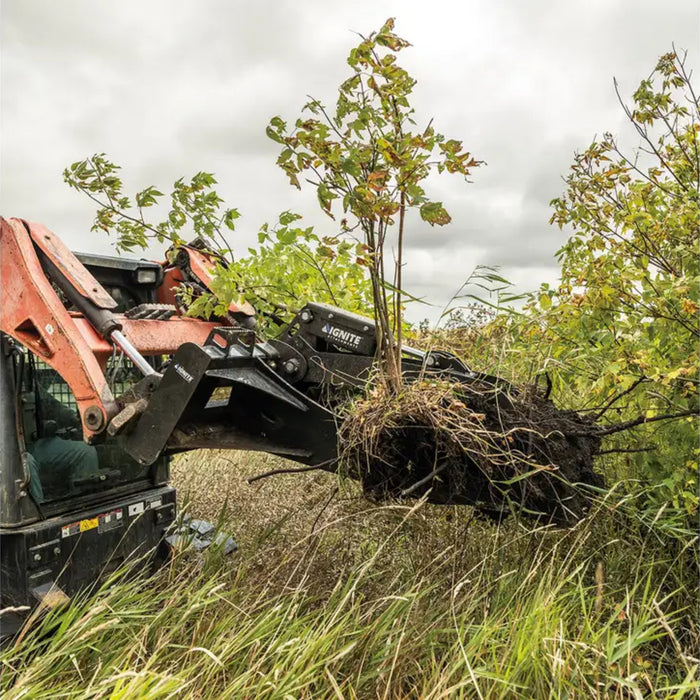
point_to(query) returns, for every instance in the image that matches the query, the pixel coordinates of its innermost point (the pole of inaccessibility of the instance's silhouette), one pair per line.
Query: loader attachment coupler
(226, 394)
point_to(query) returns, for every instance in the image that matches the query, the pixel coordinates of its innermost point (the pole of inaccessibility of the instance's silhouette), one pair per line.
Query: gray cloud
(169, 87)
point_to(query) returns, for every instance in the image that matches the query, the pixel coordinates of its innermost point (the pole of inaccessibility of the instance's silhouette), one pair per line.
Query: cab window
(61, 464)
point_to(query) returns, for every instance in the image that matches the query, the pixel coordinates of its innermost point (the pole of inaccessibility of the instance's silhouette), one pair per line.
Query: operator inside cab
(61, 465)
(60, 454)
(57, 457)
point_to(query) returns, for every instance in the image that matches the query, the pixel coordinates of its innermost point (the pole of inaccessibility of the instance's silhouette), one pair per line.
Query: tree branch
(617, 397)
(619, 427)
(621, 450)
(290, 470)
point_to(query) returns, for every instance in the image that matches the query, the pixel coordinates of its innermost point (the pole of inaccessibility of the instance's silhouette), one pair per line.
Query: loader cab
(129, 282)
(63, 469)
(70, 512)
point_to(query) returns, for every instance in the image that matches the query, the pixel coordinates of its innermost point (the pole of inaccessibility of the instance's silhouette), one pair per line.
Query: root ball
(479, 444)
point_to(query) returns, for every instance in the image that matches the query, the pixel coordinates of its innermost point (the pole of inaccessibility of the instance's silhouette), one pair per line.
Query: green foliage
(624, 319)
(290, 266)
(368, 159)
(194, 204)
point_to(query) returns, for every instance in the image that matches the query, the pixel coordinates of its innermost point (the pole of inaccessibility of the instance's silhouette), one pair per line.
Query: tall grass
(606, 609)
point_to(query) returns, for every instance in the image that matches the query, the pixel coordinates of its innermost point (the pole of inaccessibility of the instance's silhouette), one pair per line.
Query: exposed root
(479, 444)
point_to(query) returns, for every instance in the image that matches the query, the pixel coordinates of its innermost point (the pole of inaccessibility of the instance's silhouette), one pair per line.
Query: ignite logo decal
(183, 372)
(342, 336)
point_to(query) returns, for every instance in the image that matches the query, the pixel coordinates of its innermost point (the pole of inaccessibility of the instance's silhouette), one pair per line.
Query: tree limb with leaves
(369, 158)
(291, 264)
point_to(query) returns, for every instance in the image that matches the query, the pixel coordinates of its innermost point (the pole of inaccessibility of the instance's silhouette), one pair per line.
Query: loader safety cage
(70, 513)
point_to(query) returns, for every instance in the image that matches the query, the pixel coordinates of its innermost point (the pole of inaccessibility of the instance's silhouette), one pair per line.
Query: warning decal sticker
(111, 520)
(136, 509)
(103, 523)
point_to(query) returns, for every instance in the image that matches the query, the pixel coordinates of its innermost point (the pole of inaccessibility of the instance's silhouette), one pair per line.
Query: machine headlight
(146, 276)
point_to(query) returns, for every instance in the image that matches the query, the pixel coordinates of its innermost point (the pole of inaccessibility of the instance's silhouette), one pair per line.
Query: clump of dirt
(483, 444)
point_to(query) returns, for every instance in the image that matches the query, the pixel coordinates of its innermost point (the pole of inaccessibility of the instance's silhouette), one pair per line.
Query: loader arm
(52, 305)
(210, 384)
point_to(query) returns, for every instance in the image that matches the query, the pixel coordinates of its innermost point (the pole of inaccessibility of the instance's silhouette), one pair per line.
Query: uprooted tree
(474, 441)
(461, 437)
(369, 157)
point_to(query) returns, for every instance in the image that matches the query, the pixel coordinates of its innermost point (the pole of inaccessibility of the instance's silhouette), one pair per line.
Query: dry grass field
(284, 517)
(331, 596)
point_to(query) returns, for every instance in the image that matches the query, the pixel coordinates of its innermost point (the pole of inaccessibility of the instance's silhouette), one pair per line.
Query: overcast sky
(170, 87)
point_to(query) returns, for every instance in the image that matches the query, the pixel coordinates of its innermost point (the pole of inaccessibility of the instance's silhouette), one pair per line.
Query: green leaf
(230, 218)
(351, 167)
(287, 236)
(272, 134)
(287, 217)
(435, 214)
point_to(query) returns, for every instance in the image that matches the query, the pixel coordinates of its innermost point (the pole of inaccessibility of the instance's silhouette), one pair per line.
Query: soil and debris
(490, 445)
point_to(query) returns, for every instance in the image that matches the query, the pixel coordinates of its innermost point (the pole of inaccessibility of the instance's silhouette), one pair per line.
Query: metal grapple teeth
(225, 395)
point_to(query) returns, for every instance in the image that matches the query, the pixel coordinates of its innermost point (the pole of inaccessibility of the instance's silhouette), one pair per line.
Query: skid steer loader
(103, 377)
